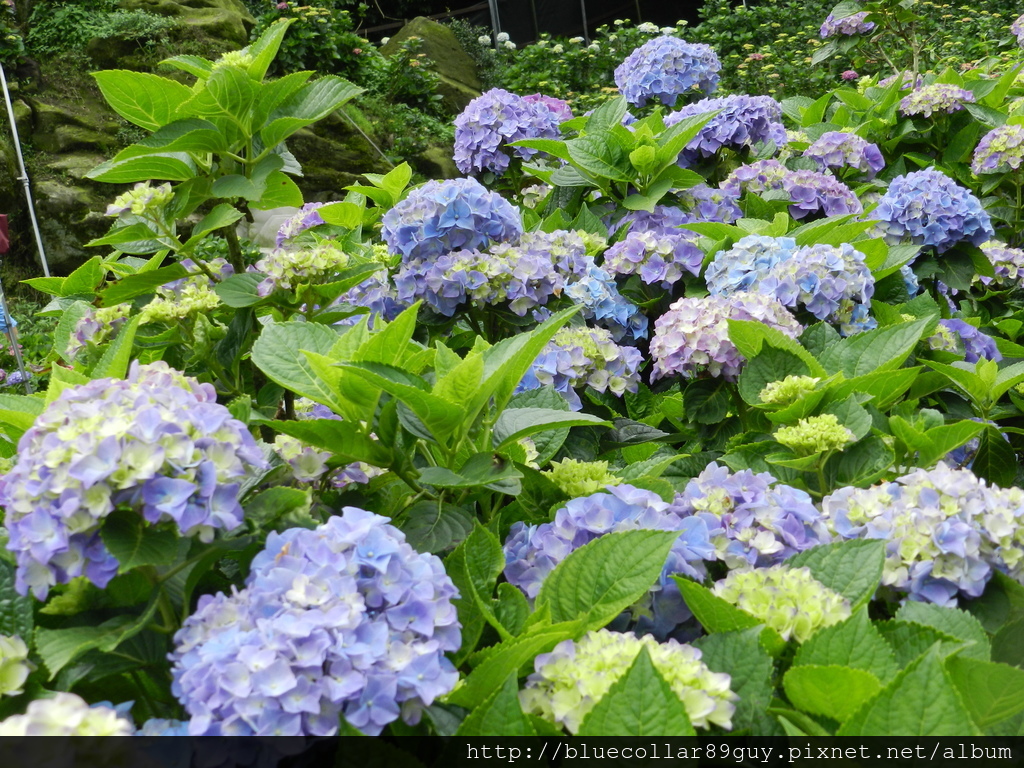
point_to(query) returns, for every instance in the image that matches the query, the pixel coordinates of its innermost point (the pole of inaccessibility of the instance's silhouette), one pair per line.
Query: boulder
(459, 83)
(435, 163)
(333, 155)
(226, 20)
(69, 216)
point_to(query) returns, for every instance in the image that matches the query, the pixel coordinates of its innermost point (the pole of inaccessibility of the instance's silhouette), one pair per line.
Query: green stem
(234, 249)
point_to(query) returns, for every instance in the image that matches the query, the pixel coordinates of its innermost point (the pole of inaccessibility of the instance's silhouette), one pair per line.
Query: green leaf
(221, 216)
(991, 692)
(129, 287)
(714, 613)
(190, 135)
(15, 610)
(227, 96)
(909, 641)
(951, 621)
(498, 715)
(477, 565)
(133, 233)
(851, 568)
(134, 543)
(749, 336)
(740, 655)
(432, 526)
(83, 281)
(600, 579)
(886, 387)
(854, 642)
(194, 65)
(279, 192)
(511, 608)
(278, 352)
(600, 155)
(311, 103)
(883, 349)
(639, 703)
(279, 504)
(833, 691)
(266, 47)
(768, 366)
(920, 701)
(169, 166)
(995, 461)
(148, 101)
(239, 291)
(516, 423)
(115, 359)
(342, 438)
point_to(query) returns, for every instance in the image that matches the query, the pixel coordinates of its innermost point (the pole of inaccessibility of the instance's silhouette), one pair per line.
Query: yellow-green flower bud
(815, 434)
(787, 391)
(581, 478)
(14, 665)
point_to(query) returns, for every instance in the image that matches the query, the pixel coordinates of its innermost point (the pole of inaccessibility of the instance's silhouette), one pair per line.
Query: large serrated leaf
(516, 423)
(992, 692)
(833, 691)
(854, 642)
(951, 621)
(278, 353)
(148, 101)
(134, 543)
(15, 610)
(499, 715)
(883, 349)
(432, 526)
(740, 655)
(851, 568)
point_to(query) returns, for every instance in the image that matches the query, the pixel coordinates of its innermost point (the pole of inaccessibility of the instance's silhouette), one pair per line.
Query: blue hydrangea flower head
(1008, 263)
(492, 120)
(443, 216)
(811, 192)
(827, 280)
(747, 263)
(1000, 150)
(157, 443)
(854, 24)
(928, 208)
(1017, 29)
(938, 97)
(710, 204)
(967, 340)
(666, 68)
(663, 220)
(839, 149)
(742, 122)
(344, 620)
(305, 218)
(602, 303)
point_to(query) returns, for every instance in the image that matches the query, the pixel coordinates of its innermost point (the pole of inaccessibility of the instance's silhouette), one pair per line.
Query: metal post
(12, 336)
(583, 12)
(495, 20)
(24, 175)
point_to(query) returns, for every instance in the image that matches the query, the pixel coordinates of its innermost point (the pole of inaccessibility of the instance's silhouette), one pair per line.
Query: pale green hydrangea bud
(193, 299)
(815, 434)
(141, 199)
(570, 680)
(530, 449)
(594, 244)
(14, 665)
(307, 463)
(787, 391)
(907, 318)
(66, 714)
(789, 600)
(943, 339)
(234, 59)
(581, 478)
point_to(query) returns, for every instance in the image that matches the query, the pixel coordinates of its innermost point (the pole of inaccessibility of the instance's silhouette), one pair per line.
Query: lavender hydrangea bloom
(838, 149)
(560, 109)
(597, 293)
(582, 356)
(663, 220)
(693, 336)
(157, 442)
(533, 551)
(306, 218)
(929, 208)
(747, 263)
(854, 24)
(709, 204)
(974, 344)
(1000, 150)
(938, 97)
(287, 269)
(345, 620)
(1017, 28)
(657, 259)
(742, 122)
(946, 530)
(443, 216)
(811, 192)
(665, 68)
(827, 280)
(376, 293)
(492, 120)
(1008, 263)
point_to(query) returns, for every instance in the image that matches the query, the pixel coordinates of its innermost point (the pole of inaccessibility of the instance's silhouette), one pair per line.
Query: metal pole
(12, 336)
(24, 175)
(583, 12)
(495, 20)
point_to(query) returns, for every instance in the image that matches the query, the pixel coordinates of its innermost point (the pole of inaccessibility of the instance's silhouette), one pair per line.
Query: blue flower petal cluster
(938, 97)
(490, 121)
(838, 149)
(827, 280)
(559, 108)
(1017, 29)
(1000, 150)
(666, 68)
(693, 336)
(811, 192)
(157, 443)
(854, 24)
(344, 620)
(742, 122)
(657, 259)
(287, 269)
(533, 551)
(744, 266)
(443, 216)
(1008, 263)
(753, 520)
(663, 220)
(602, 303)
(929, 208)
(946, 530)
(305, 218)
(963, 338)
(710, 204)
(580, 356)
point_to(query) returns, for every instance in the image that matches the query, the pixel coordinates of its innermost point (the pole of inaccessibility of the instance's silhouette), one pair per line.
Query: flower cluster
(710, 204)
(657, 259)
(838, 149)
(693, 336)
(492, 120)
(939, 97)
(580, 356)
(744, 266)
(347, 619)
(306, 463)
(66, 714)
(666, 68)
(1000, 150)
(789, 600)
(827, 280)
(599, 296)
(906, 79)
(815, 434)
(788, 390)
(580, 478)
(742, 122)
(14, 665)
(376, 293)
(287, 269)
(157, 443)
(854, 24)
(930, 208)
(525, 275)
(1017, 29)
(1008, 263)
(443, 216)
(141, 200)
(194, 298)
(752, 520)
(663, 220)
(811, 192)
(95, 326)
(946, 530)
(962, 338)
(533, 551)
(570, 680)
(306, 218)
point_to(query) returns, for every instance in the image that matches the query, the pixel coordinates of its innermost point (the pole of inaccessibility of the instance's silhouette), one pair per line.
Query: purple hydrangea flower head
(95, 326)
(849, 74)
(946, 530)
(906, 78)
(288, 269)
(929, 208)
(811, 192)
(663, 220)
(693, 336)
(966, 340)
(938, 97)
(1008, 263)
(666, 68)
(827, 280)
(747, 263)
(533, 551)
(376, 293)
(1000, 150)
(742, 122)
(560, 109)
(602, 303)
(854, 24)
(14, 378)
(1017, 29)
(759, 176)
(344, 620)
(580, 356)
(306, 218)
(838, 149)
(710, 204)
(490, 121)
(443, 216)
(157, 443)
(657, 259)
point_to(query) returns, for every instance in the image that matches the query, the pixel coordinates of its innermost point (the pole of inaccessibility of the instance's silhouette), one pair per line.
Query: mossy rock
(460, 82)
(69, 215)
(436, 163)
(226, 20)
(333, 155)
